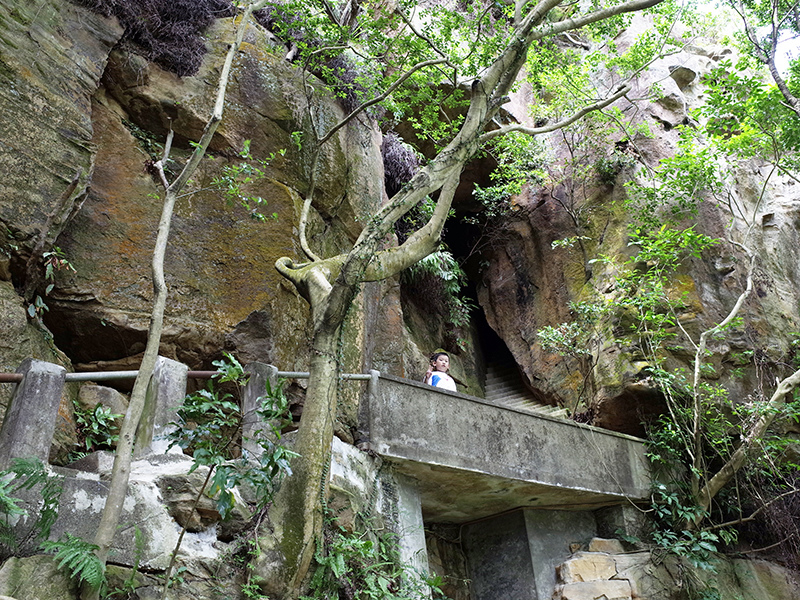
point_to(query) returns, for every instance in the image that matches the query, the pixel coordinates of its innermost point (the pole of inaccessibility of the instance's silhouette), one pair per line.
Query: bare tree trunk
(120, 474)
(122, 458)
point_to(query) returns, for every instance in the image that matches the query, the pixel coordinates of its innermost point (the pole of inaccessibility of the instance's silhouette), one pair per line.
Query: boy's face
(442, 363)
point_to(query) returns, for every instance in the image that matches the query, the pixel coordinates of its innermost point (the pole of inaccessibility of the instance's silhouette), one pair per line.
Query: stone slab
(609, 546)
(587, 566)
(253, 429)
(595, 590)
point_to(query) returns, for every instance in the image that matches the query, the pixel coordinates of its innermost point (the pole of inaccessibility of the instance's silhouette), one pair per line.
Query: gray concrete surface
(165, 394)
(253, 428)
(514, 555)
(550, 534)
(499, 559)
(30, 420)
(472, 459)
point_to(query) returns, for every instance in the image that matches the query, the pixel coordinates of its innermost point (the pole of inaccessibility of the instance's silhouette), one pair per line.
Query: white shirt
(443, 380)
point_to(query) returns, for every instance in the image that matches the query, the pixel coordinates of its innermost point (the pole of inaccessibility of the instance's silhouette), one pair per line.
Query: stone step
(505, 388)
(530, 405)
(505, 385)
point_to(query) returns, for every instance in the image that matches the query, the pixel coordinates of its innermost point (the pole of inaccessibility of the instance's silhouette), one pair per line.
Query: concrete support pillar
(499, 558)
(514, 555)
(253, 428)
(550, 535)
(165, 394)
(410, 528)
(30, 420)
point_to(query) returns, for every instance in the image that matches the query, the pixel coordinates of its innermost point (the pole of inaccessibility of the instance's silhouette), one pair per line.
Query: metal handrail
(115, 375)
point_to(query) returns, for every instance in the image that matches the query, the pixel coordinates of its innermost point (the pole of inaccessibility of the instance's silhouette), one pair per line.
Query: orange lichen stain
(683, 288)
(66, 416)
(573, 380)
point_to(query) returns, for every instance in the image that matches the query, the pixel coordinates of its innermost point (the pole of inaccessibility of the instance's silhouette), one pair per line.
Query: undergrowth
(365, 565)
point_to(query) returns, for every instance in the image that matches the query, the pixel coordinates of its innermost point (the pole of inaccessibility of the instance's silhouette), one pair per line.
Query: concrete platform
(472, 459)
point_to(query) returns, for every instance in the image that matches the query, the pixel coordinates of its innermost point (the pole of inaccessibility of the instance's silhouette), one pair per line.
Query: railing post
(363, 439)
(253, 428)
(165, 393)
(30, 420)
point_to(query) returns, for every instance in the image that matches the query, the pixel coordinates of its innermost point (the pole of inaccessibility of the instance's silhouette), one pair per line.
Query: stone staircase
(504, 387)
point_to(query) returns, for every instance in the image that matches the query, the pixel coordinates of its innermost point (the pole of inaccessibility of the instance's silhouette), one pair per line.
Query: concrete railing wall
(470, 458)
(473, 458)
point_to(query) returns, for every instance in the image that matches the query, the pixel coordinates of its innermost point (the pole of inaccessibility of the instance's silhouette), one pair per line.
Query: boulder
(91, 394)
(180, 492)
(36, 578)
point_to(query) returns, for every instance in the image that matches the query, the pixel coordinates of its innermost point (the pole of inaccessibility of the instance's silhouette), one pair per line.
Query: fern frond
(8, 504)
(79, 557)
(29, 471)
(7, 538)
(51, 496)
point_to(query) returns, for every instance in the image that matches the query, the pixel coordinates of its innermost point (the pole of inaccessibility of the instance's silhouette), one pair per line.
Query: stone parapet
(473, 459)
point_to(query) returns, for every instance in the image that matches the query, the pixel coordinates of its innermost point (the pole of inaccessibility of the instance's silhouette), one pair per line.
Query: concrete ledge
(472, 459)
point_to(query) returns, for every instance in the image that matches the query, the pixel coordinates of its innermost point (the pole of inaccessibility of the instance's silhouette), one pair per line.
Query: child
(437, 373)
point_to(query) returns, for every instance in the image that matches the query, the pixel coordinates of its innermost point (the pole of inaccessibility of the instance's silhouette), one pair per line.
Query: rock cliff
(84, 115)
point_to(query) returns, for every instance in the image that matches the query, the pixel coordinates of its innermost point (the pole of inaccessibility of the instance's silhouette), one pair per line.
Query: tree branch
(306, 210)
(767, 56)
(420, 243)
(737, 459)
(699, 357)
(422, 36)
(381, 98)
(752, 515)
(560, 124)
(599, 15)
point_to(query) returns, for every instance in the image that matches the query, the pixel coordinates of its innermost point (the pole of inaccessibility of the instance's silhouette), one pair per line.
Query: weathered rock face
(223, 287)
(527, 284)
(52, 58)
